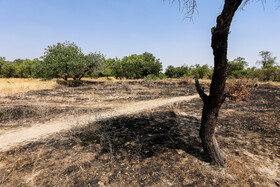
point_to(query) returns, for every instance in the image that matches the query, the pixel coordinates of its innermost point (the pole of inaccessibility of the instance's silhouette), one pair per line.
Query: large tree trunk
(213, 102)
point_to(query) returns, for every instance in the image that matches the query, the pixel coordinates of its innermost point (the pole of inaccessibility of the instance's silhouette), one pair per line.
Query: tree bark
(213, 102)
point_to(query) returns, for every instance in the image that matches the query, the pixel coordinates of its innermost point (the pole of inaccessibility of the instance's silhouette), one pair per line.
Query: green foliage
(201, 71)
(237, 67)
(63, 60)
(150, 65)
(38, 70)
(177, 72)
(115, 68)
(19, 68)
(24, 68)
(2, 62)
(267, 58)
(253, 73)
(152, 77)
(162, 76)
(66, 60)
(9, 70)
(95, 64)
(181, 71)
(170, 71)
(134, 66)
(270, 72)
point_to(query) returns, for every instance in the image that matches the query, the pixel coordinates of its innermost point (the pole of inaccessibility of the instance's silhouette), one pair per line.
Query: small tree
(151, 65)
(9, 69)
(24, 67)
(267, 58)
(115, 68)
(237, 67)
(201, 71)
(63, 60)
(177, 72)
(95, 63)
(170, 71)
(269, 72)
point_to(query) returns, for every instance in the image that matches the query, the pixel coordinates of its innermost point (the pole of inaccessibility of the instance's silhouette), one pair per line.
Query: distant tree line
(238, 69)
(66, 60)
(189, 71)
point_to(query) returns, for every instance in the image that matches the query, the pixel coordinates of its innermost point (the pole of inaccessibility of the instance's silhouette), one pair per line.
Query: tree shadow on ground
(144, 135)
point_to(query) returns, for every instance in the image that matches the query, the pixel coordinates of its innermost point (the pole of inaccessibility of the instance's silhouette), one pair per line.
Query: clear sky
(119, 28)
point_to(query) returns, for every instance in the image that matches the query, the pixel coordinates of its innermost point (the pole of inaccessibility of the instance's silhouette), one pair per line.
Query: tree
(9, 69)
(216, 97)
(115, 68)
(2, 62)
(135, 66)
(270, 72)
(95, 63)
(170, 71)
(151, 65)
(177, 72)
(267, 59)
(237, 67)
(63, 60)
(24, 67)
(201, 71)
(66, 60)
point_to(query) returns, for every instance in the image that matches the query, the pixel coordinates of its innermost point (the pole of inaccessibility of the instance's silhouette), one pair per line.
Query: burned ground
(154, 148)
(24, 109)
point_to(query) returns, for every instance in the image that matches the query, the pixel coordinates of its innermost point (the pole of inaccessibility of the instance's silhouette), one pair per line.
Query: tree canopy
(135, 66)
(267, 59)
(66, 60)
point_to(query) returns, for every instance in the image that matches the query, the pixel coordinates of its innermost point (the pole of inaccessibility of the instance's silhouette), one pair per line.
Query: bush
(201, 71)
(151, 77)
(239, 90)
(162, 76)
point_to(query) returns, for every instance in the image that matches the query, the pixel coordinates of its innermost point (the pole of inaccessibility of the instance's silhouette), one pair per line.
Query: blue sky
(119, 28)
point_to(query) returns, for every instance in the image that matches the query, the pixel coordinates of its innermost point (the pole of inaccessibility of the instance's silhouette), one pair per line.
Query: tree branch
(189, 6)
(200, 91)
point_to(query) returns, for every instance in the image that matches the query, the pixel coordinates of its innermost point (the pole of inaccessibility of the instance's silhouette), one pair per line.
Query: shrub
(162, 76)
(239, 90)
(151, 77)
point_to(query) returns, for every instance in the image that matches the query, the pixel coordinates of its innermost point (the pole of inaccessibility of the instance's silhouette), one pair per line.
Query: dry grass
(271, 83)
(239, 90)
(14, 85)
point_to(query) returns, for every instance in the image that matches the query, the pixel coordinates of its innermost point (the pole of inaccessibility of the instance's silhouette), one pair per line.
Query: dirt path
(21, 136)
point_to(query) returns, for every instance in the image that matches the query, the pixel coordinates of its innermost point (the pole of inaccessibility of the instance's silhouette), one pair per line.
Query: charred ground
(154, 148)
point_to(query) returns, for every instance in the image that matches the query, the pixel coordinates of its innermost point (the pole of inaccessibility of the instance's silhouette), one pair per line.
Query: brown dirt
(159, 147)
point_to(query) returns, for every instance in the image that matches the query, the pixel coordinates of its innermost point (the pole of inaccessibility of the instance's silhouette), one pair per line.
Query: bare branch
(200, 91)
(247, 1)
(189, 6)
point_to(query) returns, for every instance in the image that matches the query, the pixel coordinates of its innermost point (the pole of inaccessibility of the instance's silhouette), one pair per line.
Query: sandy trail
(21, 136)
